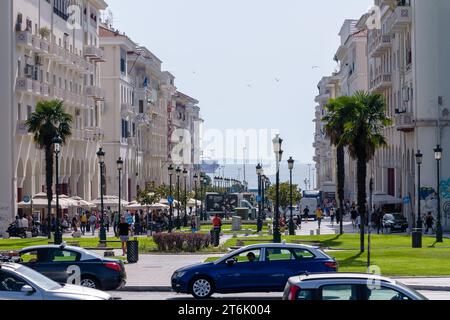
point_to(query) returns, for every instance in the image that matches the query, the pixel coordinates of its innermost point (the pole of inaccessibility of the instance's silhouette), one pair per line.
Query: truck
(219, 203)
(310, 199)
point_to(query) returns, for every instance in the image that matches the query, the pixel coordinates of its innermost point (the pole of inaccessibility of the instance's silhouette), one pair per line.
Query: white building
(44, 56)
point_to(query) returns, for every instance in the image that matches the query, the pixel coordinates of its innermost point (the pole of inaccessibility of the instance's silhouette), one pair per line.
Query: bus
(219, 203)
(311, 199)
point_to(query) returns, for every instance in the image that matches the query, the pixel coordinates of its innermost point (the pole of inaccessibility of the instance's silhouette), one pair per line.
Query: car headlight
(179, 274)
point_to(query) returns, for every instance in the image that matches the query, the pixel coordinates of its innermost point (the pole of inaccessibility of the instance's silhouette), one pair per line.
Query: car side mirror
(231, 262)
(27, 289)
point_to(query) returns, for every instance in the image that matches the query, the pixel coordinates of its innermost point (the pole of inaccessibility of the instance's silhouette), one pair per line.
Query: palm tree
(47, 122)
(339, 110)
(363, 133)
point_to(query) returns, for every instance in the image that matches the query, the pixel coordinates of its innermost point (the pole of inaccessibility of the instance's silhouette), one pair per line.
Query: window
(248, 256)
(10, 282)
(29, 111)
(59, 255)
(276, 254)
(303, 254)
(30, 257)
(385, 294)
(340, 292)
(305, 295)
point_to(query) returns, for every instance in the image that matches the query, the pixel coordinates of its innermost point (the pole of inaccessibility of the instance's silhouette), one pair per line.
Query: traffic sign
(26, 199)
(258, 199)
(170, 200)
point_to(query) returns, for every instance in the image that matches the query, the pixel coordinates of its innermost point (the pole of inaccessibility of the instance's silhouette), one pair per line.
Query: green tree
(285, 194)
(338, 112)
(363, 133)
(48, 121)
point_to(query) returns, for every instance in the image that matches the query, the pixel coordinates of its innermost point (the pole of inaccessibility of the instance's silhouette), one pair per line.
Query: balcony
(380, 45)
(405, 122)
(24, 85)
(381, 82)
(323, 98)
(94, 92)
(24, 39)
(21, 128)
(127, 110)
(44, 47)
(399, 19)
(45, 90)
(94, 53)
(88, 134)
(56, 93)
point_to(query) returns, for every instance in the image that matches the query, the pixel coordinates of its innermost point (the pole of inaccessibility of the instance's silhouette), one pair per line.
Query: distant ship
(209, 166)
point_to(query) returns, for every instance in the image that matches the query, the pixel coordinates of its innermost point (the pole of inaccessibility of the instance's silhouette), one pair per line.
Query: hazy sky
(248, 62)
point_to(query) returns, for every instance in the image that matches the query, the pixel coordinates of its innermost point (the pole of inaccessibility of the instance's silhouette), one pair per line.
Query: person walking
(116, 222)
(75, 224)
(92, 223)
(429, 221)
(123, 229)
(354, 216)
(130, 220)
(107, 221)
(319, 216)
(332, 216)
(306, 214)
(83, 222)
(217, 228)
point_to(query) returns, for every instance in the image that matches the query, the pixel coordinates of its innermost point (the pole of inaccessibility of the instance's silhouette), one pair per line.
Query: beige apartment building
(49, 51)
(407, 62)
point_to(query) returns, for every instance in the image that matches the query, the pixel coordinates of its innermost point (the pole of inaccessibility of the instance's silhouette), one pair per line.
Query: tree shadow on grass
(353, 261)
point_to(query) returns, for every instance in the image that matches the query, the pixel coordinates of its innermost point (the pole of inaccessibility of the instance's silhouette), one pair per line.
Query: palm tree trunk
(49, 182)
(340, 155)
(361, 181)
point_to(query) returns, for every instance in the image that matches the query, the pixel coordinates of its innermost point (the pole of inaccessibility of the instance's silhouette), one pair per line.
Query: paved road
(432, 295)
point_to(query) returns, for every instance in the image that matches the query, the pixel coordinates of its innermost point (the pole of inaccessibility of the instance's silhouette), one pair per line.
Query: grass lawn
(391, 253)
(227, 229)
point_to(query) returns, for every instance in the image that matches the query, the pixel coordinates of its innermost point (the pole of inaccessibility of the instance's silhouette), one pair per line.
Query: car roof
(50, 247)
(348, 275)
(9, 265)
(280, 245)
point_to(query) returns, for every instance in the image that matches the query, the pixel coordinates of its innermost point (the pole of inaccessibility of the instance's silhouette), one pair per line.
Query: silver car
(348, 286)
(18, 282)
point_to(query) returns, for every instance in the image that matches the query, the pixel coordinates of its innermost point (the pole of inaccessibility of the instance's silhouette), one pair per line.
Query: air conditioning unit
(29, 71)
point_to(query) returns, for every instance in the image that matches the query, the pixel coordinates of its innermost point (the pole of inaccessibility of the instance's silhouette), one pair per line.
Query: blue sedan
(256, 268)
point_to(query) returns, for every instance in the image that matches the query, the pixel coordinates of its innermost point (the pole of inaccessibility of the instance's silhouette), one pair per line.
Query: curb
(429, 288)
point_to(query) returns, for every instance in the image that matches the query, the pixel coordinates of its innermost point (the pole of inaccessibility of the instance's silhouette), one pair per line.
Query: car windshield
(388, 217)
(38, 279)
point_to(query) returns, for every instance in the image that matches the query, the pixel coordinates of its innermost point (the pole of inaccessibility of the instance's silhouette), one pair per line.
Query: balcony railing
(128, 110)
(380, 45)
(405, 122)
(24, 85)
(381, 82)
(24, 39)
(94, 92)
(94, 53)
(399, 19)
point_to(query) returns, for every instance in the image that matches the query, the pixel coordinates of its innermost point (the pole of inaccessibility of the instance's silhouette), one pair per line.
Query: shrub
(191, 242)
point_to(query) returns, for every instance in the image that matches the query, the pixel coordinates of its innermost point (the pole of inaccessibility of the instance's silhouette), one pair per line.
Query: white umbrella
(383, 198)
(158, 206)
(166, 202)
(135, 206)
(80, 203)
(110, 201)
(194, 203)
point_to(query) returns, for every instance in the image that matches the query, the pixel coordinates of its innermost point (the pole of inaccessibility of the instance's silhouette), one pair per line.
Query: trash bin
(417, 238)
(133, 251)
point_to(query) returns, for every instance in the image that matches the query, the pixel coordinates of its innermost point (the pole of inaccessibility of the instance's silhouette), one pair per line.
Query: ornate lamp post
(263, 196)
(178, 223)
(202, 196)
(120, 168)
(57, 141)
(438, 158)
(417, 233)
(185, 219)
(277, 142)
(170, 169)
(195, 190)
(291, 220)
(101, 160)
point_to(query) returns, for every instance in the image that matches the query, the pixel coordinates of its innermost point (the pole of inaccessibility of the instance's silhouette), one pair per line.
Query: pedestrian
(123, 229)
(130, 220)
(354, 215)
(299, 221)
(332, 216)
(137, 223)
(429, 221)
(306, 214)
(75, 224)
(319, 216)
(92, 223)
(83, 222)
(106, 221)
(116, 222)
(217, 228)
(193, 225)
(358, 222)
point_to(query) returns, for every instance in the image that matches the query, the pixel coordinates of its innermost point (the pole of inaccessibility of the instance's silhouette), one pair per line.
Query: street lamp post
(178, 223)
(185, 219)
(57, 141)
(170, 169)
(277, 142)
(195, 190)
(263, 196)
(438, 158)
(258, 173)
(120, 168)
(291, 220)
(101, 160)
(417, 233)
(203, 181)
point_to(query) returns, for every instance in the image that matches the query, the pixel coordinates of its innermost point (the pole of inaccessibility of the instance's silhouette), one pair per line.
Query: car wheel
(202, 288)
(89, 282)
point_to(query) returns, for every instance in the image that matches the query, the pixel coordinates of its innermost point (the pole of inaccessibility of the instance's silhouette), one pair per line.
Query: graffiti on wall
(445, 196)
(428, 200)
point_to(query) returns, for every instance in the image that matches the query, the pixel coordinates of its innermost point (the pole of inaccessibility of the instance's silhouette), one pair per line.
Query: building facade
(50, 51)
(407, 64)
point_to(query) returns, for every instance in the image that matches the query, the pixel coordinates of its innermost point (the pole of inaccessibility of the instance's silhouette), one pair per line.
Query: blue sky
(248, 62)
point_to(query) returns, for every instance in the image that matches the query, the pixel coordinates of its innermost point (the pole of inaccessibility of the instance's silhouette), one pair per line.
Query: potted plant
(44, 32)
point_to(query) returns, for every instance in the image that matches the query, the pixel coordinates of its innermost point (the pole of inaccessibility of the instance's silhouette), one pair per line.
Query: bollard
(318, 232)
(311, 232)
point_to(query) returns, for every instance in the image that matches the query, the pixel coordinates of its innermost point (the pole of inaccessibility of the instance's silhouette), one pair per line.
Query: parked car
(347, 286)
(18, 282)
(256, 268)
(53, 261)
(395, 222)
